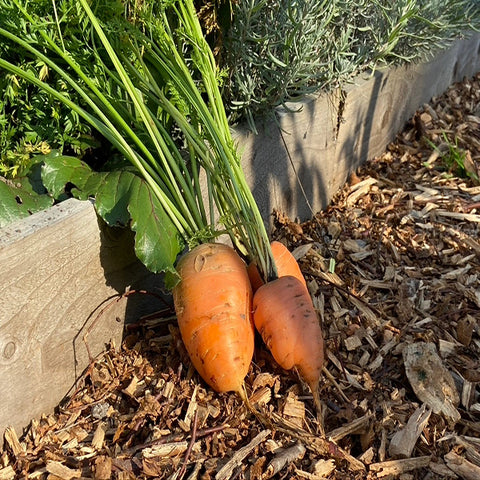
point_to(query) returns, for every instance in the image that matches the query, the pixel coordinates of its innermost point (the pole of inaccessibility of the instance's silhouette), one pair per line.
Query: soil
(393, 266)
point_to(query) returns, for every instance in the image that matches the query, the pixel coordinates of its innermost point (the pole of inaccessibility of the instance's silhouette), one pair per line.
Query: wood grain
(58, 267)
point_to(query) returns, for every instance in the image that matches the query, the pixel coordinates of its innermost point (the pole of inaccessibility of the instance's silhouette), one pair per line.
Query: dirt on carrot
(213, 306)
(285, 317)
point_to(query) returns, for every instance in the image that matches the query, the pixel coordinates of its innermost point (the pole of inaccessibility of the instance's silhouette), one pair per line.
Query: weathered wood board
(57, 270)
(58, 267)
(297, 164)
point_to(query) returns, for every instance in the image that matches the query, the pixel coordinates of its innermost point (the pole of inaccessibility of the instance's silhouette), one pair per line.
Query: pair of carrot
(216, 316)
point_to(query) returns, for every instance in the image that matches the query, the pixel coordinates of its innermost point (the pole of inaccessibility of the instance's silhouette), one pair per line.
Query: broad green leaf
(120, 196)
(157, 242)
(91, 185)
(18, 199)
(59, 171)
(113, 195)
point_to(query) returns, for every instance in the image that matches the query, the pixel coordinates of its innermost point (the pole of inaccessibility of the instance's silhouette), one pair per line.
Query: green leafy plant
(456, 161)
(273, 52)
(30, 121)
(24, 195)
(143, 96)
(270, 53)
(279, 51)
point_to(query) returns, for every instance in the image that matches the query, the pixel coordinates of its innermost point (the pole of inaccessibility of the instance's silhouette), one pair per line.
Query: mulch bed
(393, 265)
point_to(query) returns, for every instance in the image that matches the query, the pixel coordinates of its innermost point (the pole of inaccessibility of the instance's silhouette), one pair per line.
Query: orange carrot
(284, 315)
(284, 261)
(213, 306)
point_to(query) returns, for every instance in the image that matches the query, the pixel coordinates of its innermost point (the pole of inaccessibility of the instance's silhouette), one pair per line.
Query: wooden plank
(328, 136)
(57, 267)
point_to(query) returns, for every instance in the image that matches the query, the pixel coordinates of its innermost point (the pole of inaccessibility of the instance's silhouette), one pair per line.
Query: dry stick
(335, 383)
(227, 470)
(114, 300)
(86, 373)
(339, 364)
(210, 430)
(350, 294)
(353, 427)
(141, 446)
(379, 246)
(471, 206)
(199, 434)
(394, 468)
(183, 469)
(307, 201)
(196, 470)
(283, 458)
(106, 307)
(317, 444)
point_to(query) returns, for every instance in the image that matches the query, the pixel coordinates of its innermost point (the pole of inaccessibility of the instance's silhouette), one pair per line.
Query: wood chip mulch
(393, 265)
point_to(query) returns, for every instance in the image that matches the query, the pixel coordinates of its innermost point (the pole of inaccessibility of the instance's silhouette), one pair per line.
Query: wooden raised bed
(334, 134)
(60, 267)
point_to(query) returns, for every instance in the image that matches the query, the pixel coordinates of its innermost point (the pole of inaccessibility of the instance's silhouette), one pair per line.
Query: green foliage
(138, 91)
(122, 198)
(149, 87)
(30, 121)
(157, 243)
(455, 160)
(23, 196)
(278, 51)
(99, 91)
(272, 52)
(58, 171)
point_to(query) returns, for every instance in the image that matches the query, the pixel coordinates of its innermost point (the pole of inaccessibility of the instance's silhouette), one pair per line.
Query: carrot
(284, 261)
(284, 314)
(213, 306)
